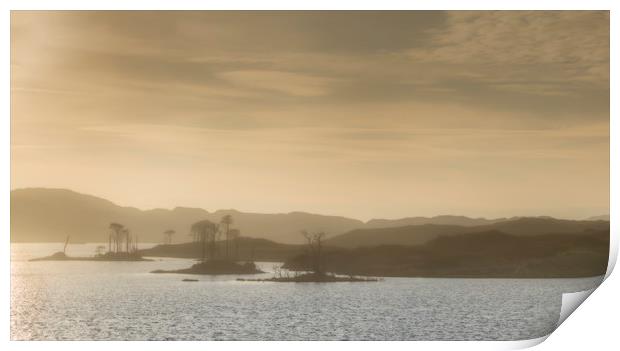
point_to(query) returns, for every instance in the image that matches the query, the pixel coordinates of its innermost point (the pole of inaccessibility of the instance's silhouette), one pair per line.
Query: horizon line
(306, 212)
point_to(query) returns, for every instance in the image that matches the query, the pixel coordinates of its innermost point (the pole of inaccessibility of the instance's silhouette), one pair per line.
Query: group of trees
(208, 233)
(120, 240)
(314, 250)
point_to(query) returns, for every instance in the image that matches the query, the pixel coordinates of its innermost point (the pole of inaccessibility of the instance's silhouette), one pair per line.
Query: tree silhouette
(206, 231)
(315, 246)
(99, 250)
(226, 221)
(125, 235)
(168, 236)
(234, 235)
(116, 229)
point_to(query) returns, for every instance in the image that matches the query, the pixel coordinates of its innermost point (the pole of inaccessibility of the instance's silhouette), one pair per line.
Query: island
(61, 256)
(216, 267)
(312, 277)
(213, 261)
(122, 246)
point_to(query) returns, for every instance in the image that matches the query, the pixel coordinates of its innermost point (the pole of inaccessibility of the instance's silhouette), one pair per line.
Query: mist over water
(122, 301)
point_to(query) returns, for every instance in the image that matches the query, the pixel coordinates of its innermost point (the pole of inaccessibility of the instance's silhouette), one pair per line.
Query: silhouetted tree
(116, 229)
(234, 235)
(125, 235)
(99, 250)
(206, 232)
(64, 249)
(226, 221)
(168, 236)
(315, 246)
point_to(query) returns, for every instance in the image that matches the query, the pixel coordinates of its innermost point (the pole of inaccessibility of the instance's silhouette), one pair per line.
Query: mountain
(598, 218)
(445, 220)
(419, 234)
(406, 235)
(49, 215)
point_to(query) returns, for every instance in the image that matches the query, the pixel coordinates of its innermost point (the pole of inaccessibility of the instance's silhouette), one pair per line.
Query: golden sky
(360, 114)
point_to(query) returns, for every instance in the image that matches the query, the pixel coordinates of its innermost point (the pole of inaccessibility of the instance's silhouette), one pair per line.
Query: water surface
(122, 301)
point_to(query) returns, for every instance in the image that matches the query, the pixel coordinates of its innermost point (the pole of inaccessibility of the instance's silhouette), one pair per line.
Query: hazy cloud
(376, 114)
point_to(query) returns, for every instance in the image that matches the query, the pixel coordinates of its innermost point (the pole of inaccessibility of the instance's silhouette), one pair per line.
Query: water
(122, 301)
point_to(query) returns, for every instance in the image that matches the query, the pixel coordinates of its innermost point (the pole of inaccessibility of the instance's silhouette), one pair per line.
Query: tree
(168, 236)
(226, 221)
(206, 231)
(116, 229)
(234, 235)
(126, 236)
(64, 249)
(99, 250)
(315, 245)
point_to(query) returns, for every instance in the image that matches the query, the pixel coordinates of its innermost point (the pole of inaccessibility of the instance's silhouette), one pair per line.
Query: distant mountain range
(598, 218)
(420, 234)
(49, 215)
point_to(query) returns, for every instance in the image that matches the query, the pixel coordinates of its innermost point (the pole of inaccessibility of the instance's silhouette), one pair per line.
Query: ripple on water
(120, 301)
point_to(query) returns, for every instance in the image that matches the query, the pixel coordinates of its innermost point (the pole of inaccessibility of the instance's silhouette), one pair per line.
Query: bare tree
(168, 236)
(226, 222)
(315, 246)
(234, 235)
(116, 229)
(206, 231)
(64, 249)
(125, 235)
(99, 250)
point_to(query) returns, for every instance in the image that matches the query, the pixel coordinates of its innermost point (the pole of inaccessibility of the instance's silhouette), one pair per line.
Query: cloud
(293, 84)
(412, 109)
(524, 46)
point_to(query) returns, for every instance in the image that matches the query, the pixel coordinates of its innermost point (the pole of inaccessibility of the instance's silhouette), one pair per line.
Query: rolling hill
(420, 234)
(49, 215)
(482, 254)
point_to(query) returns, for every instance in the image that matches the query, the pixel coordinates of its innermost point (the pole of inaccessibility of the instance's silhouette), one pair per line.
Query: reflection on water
(122, 301)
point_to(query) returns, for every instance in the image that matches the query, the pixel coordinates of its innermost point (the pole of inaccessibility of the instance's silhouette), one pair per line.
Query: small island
(317, 275)
(122, 246)
(312, 277)
(212, 263)
(216, 267)
(61, 256)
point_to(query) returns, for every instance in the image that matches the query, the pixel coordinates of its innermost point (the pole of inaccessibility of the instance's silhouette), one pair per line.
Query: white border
(572, 334)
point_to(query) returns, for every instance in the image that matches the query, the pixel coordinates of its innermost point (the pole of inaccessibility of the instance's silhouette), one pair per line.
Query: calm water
(122, 301)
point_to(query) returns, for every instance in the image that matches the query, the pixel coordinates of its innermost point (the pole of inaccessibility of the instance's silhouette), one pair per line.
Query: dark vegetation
(482, 254)
(314, 260)
(243, 249)
(216, 267)
(213, 260)
(581, 252)
(312, 278)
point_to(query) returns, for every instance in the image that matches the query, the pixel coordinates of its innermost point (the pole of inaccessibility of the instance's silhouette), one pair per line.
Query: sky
(359, 114)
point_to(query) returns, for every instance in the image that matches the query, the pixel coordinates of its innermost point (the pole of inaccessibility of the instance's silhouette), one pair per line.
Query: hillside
(419, 234)
(49, 215)
(443, 220)
(480, 254)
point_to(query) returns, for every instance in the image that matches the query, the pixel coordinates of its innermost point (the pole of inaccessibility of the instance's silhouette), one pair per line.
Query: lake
(123, 301)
